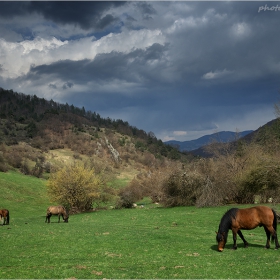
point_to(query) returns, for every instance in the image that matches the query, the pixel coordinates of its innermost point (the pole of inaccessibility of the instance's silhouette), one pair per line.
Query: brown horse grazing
(57, 210)
(237, 219)
(4, 213)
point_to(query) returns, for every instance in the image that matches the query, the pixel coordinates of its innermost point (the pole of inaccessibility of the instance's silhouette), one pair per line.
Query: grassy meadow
(150, 242)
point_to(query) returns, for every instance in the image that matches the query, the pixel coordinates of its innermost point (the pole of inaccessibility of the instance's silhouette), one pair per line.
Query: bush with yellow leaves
(75, 186)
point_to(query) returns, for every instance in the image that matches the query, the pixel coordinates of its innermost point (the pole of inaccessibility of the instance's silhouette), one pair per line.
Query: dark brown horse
(4, 213)
(57, 210)
(237, 219)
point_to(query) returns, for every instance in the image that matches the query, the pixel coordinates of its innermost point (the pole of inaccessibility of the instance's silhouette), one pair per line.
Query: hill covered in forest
(38, 137)
(38, 134)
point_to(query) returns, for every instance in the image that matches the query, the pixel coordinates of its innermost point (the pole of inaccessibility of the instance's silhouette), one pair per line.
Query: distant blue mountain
(220, 137)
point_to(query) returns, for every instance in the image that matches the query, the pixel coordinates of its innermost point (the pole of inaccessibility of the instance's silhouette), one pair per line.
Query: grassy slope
(132, 243)
(23, 195)
(60, 157)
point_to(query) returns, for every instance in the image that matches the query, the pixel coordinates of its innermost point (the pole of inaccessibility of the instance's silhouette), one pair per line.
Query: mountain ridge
(220, 137)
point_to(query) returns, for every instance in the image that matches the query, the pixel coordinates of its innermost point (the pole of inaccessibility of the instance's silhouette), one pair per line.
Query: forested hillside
(39, 137)
(48, 125)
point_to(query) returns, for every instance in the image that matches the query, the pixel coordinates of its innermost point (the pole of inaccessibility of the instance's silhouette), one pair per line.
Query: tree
(75, 186)
(182, 188)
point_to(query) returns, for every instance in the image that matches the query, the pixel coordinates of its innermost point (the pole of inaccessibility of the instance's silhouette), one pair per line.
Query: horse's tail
(274, 224)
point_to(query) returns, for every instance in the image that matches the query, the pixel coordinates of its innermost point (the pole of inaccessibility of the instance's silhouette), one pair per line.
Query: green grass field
(151, 242)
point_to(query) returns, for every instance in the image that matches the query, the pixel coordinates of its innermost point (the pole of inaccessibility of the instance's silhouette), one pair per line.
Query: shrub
(24, 169)
(75, 186)
(210, 195)
(129, 195)
(263, 179)
(14, 159)
(3, 166)
(220, 184)
(182, 188)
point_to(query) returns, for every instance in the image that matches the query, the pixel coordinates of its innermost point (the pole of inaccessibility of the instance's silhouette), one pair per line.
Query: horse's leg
(234, 239)
(7, 219)
(48, 217)
(59, 218)
(268, 232)
(271, 231)
(243, 239)
(276, 241)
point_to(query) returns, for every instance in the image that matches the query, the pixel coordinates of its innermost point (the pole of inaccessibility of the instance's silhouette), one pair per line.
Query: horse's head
(221, 238)
(65, 218)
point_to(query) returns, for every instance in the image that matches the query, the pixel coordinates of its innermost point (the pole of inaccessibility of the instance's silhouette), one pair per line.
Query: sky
(178, 69)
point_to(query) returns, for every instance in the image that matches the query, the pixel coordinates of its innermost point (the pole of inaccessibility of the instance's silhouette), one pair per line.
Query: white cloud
(240, 30)
(128, 40)
(187, 136)
(179, 133)
(216, 74)
(17, 58)
(40, 44)
(172, 135)
(191, 22)
(165, 138)
(183, 23)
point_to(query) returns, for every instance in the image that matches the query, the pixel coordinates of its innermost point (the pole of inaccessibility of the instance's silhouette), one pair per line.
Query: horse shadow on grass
(240, 246)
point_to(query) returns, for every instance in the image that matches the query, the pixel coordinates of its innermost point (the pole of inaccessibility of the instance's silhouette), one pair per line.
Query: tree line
(33, 111)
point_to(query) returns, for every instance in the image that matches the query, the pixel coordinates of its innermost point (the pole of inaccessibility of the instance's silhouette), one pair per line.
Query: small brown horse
(4, 213)
(57, 210)
(249, 218)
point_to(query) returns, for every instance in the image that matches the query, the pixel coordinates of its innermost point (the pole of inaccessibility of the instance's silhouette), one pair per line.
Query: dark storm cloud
(52, 86)
(146, 9)
(67, 85)
(86, 14)
(13, 8)
(183, 65)
(130, 67)
(234, 51)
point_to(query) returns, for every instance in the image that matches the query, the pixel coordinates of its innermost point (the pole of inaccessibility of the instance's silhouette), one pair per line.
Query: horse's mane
(226, 221)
